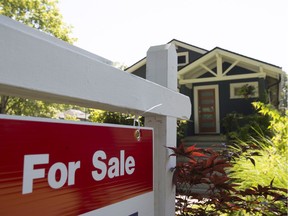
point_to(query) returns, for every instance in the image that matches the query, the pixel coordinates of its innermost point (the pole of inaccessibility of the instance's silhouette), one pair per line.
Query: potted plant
(247, 90)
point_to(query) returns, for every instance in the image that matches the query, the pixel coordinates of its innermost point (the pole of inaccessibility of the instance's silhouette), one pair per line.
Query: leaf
(192, 148)
(252, 161)
(248, 191)
(220, 167)
(271, 183)
(198, 154)
(178, 151)
(210, 160)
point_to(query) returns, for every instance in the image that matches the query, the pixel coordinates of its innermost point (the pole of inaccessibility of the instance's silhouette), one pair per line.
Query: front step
(206, 138)
(216, 142)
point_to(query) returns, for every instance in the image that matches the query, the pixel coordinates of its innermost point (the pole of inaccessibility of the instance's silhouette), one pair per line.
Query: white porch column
(162, 69)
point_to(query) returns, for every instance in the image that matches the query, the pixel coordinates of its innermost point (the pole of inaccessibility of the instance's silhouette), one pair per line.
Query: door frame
(217, 113)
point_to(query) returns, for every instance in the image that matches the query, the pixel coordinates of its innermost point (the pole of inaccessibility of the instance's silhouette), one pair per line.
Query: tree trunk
(3, 104)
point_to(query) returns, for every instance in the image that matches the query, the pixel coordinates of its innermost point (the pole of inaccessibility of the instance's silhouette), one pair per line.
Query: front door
(206, 110)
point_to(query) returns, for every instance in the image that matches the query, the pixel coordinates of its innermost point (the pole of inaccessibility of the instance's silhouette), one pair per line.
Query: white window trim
(186, 54)
(239, 85)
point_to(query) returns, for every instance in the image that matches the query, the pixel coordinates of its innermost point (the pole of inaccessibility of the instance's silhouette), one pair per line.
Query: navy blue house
(216, 81)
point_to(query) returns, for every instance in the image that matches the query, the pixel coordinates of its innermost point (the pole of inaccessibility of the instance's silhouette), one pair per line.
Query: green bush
(262, 159)
(181, 130)
(260, 166)
(101, 116)
(241, 127)
(278, 125)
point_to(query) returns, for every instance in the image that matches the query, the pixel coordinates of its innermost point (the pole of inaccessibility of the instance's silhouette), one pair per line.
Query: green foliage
(263, 159)
(260, 166)
(278, 125)
(284, 92)
(40, 14)
(181, 130)
(71, 118)
(247, 90)
(268, 154)
(220, 196)
(45, 16)
(101, 116)
(26, 107)
(241, 127)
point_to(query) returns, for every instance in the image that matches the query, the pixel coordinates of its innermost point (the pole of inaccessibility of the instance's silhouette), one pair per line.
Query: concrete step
(216, 142)
(206, 138)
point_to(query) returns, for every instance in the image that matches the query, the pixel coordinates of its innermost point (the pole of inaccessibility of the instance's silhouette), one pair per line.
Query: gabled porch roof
(212, 63)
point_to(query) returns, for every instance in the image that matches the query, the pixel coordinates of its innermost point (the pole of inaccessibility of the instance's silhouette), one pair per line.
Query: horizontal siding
(228, 105)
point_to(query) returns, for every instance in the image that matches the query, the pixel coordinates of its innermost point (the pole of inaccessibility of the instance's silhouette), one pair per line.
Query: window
(244, 90)
(183, 58)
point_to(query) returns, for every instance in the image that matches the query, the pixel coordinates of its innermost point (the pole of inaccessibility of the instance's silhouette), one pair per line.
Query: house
(219, 82)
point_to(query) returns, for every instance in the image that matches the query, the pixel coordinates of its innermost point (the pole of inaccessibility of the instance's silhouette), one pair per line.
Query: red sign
(57, 168)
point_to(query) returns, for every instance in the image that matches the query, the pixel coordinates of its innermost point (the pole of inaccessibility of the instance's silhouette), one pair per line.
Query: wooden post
(219, 65)
(162, 69)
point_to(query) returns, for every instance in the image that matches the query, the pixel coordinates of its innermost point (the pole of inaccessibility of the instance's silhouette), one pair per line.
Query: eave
(214, 59)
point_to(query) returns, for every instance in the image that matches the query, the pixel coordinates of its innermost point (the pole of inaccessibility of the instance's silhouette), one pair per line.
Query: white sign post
(162, 69)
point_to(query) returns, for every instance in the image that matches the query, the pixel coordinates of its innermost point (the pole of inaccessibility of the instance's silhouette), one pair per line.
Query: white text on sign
(113, 167)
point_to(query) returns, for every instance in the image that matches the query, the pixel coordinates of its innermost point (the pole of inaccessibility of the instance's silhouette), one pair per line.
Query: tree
(45, 16)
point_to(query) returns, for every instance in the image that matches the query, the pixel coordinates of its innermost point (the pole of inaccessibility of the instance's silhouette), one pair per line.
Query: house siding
(226, 104)
(188, 92)
(192, 55)
(141, 72)
(236, 70)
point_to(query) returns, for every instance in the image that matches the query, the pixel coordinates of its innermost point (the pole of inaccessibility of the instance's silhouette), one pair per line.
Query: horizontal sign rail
(36, 65)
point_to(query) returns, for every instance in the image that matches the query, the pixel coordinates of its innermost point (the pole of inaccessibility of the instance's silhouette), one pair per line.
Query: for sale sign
(57, 168)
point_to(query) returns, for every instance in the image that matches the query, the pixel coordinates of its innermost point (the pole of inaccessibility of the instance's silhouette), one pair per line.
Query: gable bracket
(208, 69)
(231, 66)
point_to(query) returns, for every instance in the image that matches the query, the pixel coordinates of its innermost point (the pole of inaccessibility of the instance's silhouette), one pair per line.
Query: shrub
(278, 125)
(262, 159)
(206, 168)
(181, 130)
(101, 116)
(241, 127)
(268, 154)
(260, 166)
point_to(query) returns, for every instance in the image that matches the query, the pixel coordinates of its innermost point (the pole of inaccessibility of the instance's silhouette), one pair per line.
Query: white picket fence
(38, 66)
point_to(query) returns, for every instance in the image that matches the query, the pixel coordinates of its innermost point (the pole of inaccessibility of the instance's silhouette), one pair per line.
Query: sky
(123, 30)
